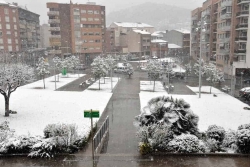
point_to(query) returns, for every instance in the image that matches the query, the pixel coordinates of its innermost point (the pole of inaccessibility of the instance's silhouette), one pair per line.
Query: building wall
(45, 35)
(134, 45)
(174, 37)
(9, 29)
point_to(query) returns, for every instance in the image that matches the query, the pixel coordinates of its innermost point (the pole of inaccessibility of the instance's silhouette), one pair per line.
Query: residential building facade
(77, 29)
(19, 28)
(159, 48)
(179, 37)
(224, 35)
(122, 29)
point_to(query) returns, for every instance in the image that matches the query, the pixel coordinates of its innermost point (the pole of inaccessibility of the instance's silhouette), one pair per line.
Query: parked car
(244, 92)
(246, 81)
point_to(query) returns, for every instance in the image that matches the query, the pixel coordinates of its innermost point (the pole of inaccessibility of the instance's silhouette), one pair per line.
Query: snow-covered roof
(141, 31)
(184, 31)
(173, 46)
(129, 24)
(3, 2)
(158, 34)
(158, 41)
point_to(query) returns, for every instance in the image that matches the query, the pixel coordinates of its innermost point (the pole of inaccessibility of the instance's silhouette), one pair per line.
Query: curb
(201, 154)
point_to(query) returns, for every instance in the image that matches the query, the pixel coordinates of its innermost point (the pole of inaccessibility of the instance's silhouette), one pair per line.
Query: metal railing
(100, 133)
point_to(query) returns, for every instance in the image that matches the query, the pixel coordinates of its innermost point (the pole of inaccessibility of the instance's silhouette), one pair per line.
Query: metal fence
(100, 133)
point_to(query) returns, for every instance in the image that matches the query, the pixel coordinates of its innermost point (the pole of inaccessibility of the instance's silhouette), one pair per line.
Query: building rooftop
(158, 33)
(141, 31)
(129, 24)
(3, 2)
(184, 31)
(173, 46)
(158, 41)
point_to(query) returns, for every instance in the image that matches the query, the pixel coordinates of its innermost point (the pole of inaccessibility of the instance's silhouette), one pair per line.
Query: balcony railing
(55, 52)
(226, 16)
(224, 40)
(54, 21)
(240, 51)
(243, 1)
(226, 28)
(224, 51)
(55, 36)
(241, 26)
(53, 13)
(241, 38)
(54, 29)
(243, 13)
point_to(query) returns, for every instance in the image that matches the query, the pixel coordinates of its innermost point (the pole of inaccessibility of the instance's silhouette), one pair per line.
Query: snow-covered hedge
(243, 138)
(186, 143)
(216, 132)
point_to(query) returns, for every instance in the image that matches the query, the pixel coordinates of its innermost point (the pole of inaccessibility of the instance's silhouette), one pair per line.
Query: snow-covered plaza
(37, 107)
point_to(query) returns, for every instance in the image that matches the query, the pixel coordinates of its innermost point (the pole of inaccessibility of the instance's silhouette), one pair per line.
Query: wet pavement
(120, 149)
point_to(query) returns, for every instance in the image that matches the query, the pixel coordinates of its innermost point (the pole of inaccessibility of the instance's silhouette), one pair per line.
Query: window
(9, 41)
(8, 33)
(76, 12)
(14, 19)
(91, 33)
(83, 11)
(17, 48)
(10, 48)
(97, 33)
(91, 41)
(7, 18)
(6, 11)
(1, 41)
(84, 33)
(13, 10)
(90, 11)
(90, 19)
(1, 33)
(8, 26)
(98, 48)
(15, 27)
(84, 19)
(0, 26)
(15, 34)
(91, 48)
(97, 19)
(1, 47)
(16, 41)
(102, 12)
(98, 41)
(96, 12)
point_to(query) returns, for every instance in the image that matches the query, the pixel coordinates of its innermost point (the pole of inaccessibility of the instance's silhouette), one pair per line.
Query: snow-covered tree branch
(42, 69)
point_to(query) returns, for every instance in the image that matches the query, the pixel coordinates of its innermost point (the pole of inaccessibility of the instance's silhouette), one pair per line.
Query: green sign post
(91, 114)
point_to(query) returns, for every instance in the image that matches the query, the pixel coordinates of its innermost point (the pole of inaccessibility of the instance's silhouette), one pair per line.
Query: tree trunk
(7, 103)
(154, 87)
(210, 89)
(100, 84)
(104, 79)
(43, 83)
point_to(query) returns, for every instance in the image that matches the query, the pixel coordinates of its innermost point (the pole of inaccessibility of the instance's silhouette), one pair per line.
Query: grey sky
(39, 6)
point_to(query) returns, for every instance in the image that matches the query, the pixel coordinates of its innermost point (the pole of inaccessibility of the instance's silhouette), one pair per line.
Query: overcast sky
(39, 6)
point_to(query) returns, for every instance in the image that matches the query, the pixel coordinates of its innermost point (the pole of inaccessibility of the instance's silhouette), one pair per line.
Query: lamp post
(200, 27)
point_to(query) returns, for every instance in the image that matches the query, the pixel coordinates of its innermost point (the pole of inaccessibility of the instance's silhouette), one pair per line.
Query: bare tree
(13, 76)
(42, 69)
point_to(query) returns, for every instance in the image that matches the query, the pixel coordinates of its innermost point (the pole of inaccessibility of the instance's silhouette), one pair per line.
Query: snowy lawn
(149, 85)
(37, 108)
(223, 110)
(50, 82)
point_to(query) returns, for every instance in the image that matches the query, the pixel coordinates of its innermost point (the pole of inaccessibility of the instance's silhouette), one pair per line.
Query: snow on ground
(36, 108)
(50, 82)
(104, 86)
(223, 110)
(149, 85)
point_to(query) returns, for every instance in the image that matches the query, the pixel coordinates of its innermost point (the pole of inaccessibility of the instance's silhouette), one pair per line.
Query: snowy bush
(243, 138)
(20, 144)
(68, 132)
(145, 148)
(5, 131)
(230, 139)
(171, 112)
(216, 132)
(186, 143)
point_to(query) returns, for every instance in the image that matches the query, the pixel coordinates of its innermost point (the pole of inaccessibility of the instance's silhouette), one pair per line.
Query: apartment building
(180, 37)
(224, 34)
(110, 41)
(139, 42)
(159, 48)
(194, 34)
(77, 29)
(19, 28)
(122, 29)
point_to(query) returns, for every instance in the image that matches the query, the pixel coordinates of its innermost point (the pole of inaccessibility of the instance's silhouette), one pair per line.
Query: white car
(120, 69)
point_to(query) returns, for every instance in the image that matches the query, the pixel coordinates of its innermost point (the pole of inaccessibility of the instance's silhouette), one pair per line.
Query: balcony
(224, 51)
(53, 13)
(55, 36)
(224, 40)
(240, 51)
(207, 31)
(241, 39)
(226, 28)
(54, 29)
(205, 13)
(242, 27)
(51, 21)
(225, 4)
(243, 14)
(243, 1)
(226, 16)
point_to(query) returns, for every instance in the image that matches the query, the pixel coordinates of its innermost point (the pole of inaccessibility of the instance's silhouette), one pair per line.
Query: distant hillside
(160, 16)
